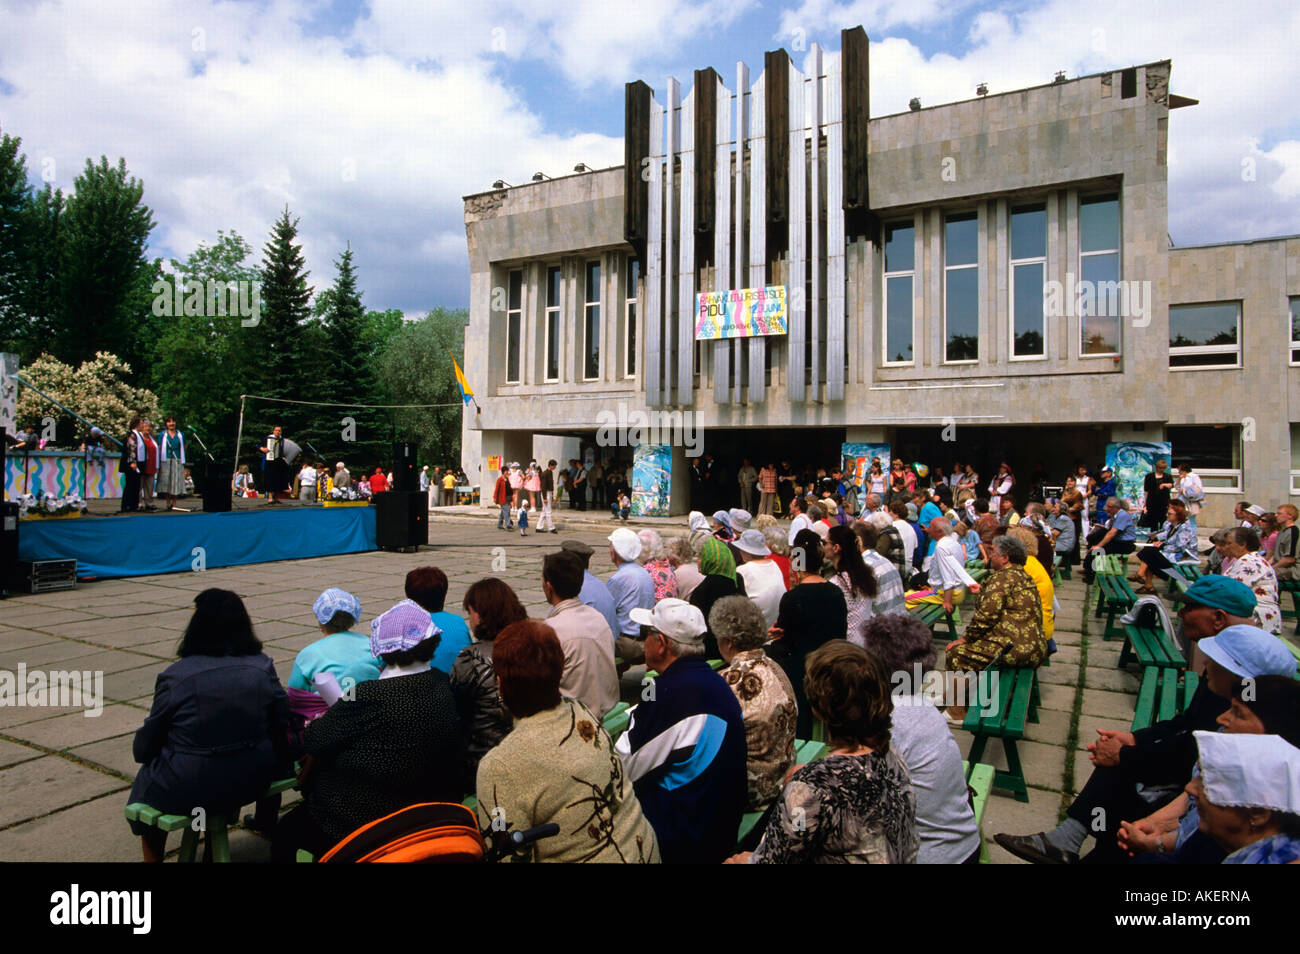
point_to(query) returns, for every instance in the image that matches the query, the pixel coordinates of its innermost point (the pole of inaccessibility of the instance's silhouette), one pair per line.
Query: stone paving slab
(11, 753)
(133, 683)
(36, 787)
(114, 753)
(94, 831)
(73, 728)
(1106, 709)
(1004, 814)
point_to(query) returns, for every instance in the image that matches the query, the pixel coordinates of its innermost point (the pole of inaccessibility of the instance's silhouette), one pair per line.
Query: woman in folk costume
(131, 467)
(171, 463)
(148, 464)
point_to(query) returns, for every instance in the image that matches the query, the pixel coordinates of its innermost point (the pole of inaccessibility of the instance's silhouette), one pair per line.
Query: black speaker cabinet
(216, 493)
(8, 543)
(405, 478)
(401, 519)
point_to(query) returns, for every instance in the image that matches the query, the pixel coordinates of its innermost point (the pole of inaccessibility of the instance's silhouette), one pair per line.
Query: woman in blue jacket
(216, 735)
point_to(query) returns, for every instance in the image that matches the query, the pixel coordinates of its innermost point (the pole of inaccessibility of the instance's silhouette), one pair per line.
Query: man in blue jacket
(685, 747)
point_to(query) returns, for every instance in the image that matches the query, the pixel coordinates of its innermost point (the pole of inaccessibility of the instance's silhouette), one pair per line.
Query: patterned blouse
(860, 611)
(1010, 617)
(1253, 570)
(1178, 543)
(1277, 849)
(664, 578)
(844, 809)
(770, 713)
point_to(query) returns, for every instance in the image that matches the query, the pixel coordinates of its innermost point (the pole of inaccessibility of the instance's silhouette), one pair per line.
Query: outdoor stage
(142, 544)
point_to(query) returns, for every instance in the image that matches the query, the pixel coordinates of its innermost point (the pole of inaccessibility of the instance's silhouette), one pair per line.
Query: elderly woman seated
(395, 743)
(1242, 560)
(1173, 544)
(857, 804)
(557, 764)
(1248, 796)
(765, 694)
(1266, 705)
(655, 560)
(1007, 628)
(919, 735)
(686, 568)
(340, 655)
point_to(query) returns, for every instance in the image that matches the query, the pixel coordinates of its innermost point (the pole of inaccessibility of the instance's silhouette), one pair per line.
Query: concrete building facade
(980, 280)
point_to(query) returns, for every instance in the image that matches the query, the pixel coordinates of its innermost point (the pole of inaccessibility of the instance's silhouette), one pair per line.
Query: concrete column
(679, 501)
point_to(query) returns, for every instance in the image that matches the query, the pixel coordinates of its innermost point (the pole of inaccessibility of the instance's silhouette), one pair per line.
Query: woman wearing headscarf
(720, 579)
(698, 529)
(396, 742)
(722, 528)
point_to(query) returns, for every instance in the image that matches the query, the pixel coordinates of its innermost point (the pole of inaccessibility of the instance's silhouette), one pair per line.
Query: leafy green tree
(15, 197)
(415, 366)
(104, 275)
(202, 363)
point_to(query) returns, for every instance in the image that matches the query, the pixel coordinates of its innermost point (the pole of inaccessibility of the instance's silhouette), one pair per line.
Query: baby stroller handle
(519, 839)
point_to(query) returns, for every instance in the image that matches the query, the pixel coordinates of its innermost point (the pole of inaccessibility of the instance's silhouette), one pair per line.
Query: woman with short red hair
(557, 764)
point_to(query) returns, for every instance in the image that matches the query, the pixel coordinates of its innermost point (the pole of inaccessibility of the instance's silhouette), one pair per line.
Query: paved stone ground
(64, 777)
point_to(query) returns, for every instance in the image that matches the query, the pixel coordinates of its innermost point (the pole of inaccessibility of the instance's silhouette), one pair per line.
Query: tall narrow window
(591, 322)
(1295, 330)
(629, 317)
(552, 324)
(1099, 274)
(900, 271)
(961, 288)
(1028, 273)
(514, 326)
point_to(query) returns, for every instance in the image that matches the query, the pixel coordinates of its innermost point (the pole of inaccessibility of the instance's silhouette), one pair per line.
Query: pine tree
(279, 336)
(345, 323)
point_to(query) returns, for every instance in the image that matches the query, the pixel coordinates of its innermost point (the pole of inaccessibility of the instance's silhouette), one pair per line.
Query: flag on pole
(466, 392)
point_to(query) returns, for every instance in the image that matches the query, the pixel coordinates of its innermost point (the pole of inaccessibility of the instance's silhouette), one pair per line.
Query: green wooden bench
(1164, 693)
(1015, 703)
(1114, 598)
(1295, 651)
(215, 825)
(933, 616)
(1150, 647)
(1292, 587)
(1060, 568)
(980, 780)
(804, 752)
(617, 720)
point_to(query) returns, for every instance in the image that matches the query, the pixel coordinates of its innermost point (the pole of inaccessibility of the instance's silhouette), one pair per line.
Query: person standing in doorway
(547, 481)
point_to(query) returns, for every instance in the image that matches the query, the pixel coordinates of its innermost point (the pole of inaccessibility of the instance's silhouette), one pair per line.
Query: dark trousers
(130, 490)
(297, 830)
(1153, 558)
(1108, 798)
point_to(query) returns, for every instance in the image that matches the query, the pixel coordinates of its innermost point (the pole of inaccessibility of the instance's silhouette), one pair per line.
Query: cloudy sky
(372, 119)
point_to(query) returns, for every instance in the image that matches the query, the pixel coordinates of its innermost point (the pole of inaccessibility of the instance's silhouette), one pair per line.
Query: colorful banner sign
(740, 313)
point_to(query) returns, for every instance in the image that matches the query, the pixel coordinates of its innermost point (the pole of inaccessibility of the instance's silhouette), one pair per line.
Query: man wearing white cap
(1248, 796)
(685, 749)
(632, 588)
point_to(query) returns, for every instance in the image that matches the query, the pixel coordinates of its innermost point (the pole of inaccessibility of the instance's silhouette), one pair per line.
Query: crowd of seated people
(805, 636)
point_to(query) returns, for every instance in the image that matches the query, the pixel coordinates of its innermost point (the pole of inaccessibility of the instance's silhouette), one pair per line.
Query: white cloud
(1239, 62)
